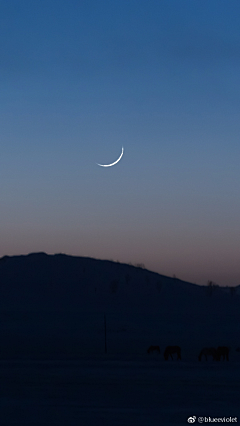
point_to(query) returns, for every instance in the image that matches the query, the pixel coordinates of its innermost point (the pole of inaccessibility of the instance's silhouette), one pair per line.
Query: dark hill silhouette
(62, 282)
(45, 299)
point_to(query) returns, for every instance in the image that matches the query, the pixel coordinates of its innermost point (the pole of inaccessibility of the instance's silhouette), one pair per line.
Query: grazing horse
(151, 349)
(223, 351)
(170, 350)
(208, 352)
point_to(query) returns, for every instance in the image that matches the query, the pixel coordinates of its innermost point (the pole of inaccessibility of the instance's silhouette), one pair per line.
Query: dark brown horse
(170, 350)
(208, 352)
(151, 349)
(223, 351)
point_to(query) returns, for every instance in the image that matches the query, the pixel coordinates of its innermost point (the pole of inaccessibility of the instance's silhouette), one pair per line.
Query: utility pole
(105, 329)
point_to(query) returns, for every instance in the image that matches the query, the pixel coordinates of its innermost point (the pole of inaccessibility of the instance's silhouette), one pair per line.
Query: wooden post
(105, 329)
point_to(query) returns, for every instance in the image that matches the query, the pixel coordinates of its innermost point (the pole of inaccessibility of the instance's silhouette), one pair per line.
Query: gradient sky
(82, 78)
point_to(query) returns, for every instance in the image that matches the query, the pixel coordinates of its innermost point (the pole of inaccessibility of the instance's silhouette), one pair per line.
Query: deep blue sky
(81, 79)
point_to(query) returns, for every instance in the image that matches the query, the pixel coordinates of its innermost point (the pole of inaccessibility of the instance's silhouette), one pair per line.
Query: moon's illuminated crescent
(115, 162)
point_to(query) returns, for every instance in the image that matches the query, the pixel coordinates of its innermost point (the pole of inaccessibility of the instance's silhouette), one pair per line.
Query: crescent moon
(112, 164)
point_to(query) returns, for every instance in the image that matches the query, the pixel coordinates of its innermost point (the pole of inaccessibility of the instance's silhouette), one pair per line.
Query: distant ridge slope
(39, 281)
(54, 305)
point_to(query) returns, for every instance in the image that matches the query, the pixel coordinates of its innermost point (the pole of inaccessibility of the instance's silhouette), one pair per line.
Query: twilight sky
(79, 79)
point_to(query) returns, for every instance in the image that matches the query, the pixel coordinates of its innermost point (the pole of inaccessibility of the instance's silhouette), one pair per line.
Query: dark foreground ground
(113, 391)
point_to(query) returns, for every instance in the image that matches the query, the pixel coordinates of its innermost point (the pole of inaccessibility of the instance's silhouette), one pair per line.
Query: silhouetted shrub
(211, 287)
(140, 265)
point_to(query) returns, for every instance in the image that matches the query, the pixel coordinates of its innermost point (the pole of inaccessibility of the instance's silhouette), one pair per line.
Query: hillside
(56, 303)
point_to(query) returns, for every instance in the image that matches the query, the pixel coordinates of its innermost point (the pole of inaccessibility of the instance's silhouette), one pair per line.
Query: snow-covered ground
(53, 366)
(116, 391)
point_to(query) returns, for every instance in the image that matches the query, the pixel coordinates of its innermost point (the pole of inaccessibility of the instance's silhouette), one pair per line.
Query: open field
(116, 391)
